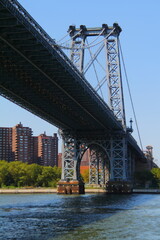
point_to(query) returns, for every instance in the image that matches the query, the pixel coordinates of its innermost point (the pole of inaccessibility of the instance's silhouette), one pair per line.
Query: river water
(82, 217)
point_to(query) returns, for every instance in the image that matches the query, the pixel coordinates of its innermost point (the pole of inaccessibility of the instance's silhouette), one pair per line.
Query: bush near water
(19, 174)
(147, 178)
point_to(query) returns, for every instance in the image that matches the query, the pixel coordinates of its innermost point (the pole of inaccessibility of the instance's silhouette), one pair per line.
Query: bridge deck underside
(39, 77)
(33, 75)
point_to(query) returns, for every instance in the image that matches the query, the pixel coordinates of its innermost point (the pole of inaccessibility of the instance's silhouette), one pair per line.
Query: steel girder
(77, 53)
(115, 89)
(34, 56)
(99, 169)
(113, 71)
(109, 159)
(48, 84)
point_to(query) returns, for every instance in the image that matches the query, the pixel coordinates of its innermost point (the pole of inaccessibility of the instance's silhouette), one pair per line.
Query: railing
(25, 18)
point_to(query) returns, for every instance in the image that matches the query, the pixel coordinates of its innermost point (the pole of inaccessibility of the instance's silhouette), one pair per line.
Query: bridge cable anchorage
(85, 46)
(130, 95)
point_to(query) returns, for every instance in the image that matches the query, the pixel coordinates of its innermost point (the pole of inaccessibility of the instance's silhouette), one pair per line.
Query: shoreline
(54, 190)
(42, 190)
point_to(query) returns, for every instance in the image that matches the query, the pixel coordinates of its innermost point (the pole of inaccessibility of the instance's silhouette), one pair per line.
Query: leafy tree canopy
(19, 174)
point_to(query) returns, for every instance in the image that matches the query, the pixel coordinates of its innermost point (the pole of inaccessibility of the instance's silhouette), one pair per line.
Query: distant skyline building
(22, 144)
(35, 149)
(18, 144)
(6, 144)
(48, 150)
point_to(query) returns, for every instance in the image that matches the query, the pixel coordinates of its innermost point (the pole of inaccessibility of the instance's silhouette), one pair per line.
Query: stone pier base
(71, 187)
(119, 187)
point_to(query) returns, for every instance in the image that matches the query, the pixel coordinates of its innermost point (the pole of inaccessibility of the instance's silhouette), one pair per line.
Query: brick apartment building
(22, 144)
(18, 144)
(6, 144)
(47, 147)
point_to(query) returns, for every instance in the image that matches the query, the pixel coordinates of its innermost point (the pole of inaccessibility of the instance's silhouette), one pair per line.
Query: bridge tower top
(112, 62)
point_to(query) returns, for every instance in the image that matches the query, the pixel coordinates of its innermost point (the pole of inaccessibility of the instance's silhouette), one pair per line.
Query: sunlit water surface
(89, 216)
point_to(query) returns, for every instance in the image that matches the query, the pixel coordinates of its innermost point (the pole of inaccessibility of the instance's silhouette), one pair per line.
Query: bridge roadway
(37, 75)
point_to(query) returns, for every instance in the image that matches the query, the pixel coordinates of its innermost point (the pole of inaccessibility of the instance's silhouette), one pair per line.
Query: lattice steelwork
(113, 71)
(99, 172)
(69, 159)
(93, 171)
(115, 93)
(118, 158)
(108, 159)
(72, 153)
(37, 75)
(117, 151)
(77, 46)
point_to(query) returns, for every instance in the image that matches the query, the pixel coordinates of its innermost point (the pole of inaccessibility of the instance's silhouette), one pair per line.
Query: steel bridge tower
(109, 158)
(113, 69)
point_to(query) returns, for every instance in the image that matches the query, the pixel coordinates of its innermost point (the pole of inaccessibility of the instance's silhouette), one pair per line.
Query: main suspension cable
(61, 44)
(85, 46)
(63, 37)
(130, 95)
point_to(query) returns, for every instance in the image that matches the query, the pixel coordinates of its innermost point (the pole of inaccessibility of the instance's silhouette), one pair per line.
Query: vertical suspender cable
(130, 95)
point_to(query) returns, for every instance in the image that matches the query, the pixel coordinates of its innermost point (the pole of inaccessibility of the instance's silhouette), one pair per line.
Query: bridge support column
(70, 181)
(98, 170)
(119, 180)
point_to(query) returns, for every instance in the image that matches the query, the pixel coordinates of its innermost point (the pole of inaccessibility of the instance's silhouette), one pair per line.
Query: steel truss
(113, 70)
(77, 46)
(99, 169)
(115, 92)
(109, 159)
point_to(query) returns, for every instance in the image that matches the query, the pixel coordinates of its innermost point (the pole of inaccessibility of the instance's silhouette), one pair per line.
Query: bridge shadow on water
(48, 217)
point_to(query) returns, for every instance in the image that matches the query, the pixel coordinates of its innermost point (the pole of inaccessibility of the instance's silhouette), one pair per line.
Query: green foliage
(146, 177)
(85, 175)
(33, 173)
(18, 174)
(156, 175)
(5, 176)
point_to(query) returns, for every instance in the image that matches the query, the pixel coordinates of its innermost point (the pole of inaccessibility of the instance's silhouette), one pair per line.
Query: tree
(17, 170)
(21, 174)
(5, 176)
(85, 175)
(142, 177)
(156, 176)
(33, 172)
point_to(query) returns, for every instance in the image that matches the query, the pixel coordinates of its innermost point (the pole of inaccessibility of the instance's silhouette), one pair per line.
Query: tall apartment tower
(6, 144)
(35, 150)
(48, 150)
(22, 143)
(55, 149)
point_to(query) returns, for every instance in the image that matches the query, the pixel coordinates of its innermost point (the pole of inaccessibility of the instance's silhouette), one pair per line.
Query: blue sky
(140, 23)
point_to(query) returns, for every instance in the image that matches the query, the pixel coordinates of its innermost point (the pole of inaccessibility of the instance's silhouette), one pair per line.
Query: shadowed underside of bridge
(36, 74)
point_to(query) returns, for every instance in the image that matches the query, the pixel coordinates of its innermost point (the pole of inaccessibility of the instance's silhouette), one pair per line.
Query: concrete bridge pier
(70, 187)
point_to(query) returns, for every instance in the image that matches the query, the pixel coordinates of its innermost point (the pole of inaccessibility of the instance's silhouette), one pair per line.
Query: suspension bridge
(36, 74)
